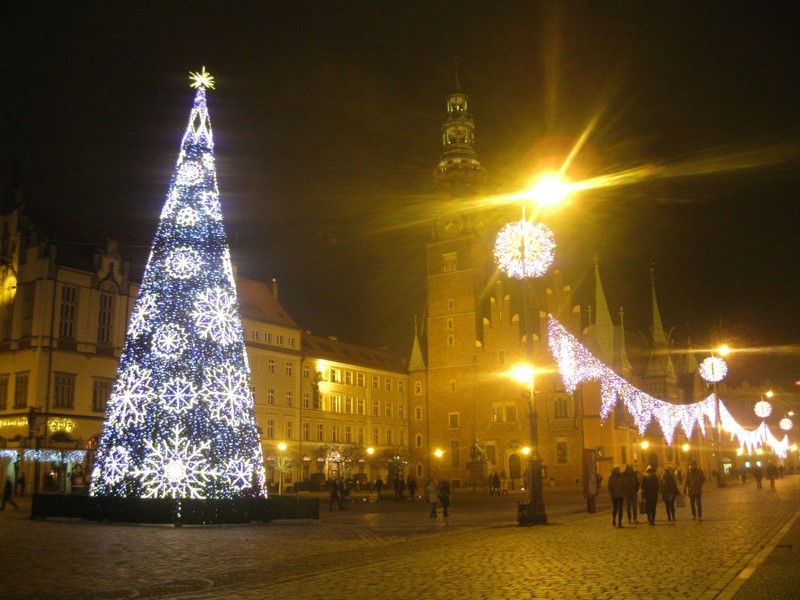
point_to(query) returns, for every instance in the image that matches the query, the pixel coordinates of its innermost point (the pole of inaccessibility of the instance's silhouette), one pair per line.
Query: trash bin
(524, 516)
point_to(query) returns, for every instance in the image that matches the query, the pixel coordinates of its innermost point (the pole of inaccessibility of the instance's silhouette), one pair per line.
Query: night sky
(326, 118)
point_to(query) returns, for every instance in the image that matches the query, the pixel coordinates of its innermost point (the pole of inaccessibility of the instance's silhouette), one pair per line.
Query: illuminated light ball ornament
(524, 249)
(786, 424)
(713, 369)
(180, 421)
(763, 409)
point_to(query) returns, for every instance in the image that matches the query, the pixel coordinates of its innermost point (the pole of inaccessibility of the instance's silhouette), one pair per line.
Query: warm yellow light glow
(370, 451)
(759, 451)
(724, 350)
(769, 394)
(739, 452)
(203, 78)
(526, 450)
(645, 445)
(793, 447)
(685, 447)
(523, 373)
(282, 447)
(438, 453)
(549, 189)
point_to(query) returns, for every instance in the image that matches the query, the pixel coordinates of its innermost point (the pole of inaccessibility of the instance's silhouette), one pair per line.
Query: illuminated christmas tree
(180, 421)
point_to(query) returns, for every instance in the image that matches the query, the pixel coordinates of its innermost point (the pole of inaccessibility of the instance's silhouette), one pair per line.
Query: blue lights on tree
(180, 420)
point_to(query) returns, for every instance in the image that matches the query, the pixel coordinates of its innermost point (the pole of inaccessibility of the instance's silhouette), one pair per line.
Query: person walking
(772, 474)
(630, 479)
(444, 496)
(669, 491)
(650, 487)
(412, 488)
(758, 474)
(8, 495)
(432, 494)
(334, 497)
(379, 488)
(693, 485)
(616, 488)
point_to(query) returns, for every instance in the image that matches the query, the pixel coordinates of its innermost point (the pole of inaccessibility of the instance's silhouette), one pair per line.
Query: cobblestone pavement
(396, 550)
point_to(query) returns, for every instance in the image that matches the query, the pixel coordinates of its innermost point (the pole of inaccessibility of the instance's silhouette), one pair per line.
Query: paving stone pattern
(395, 550)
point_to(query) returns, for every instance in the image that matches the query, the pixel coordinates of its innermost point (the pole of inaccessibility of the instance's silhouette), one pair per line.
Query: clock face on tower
(449, 226)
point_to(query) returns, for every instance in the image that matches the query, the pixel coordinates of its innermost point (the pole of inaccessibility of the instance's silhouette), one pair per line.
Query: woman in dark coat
(616, 487)
(669, 491)
(650, 487)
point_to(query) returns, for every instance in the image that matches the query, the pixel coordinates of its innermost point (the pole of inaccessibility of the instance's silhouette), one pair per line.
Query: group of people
(626, 487)
(438, 494)
(497, 485)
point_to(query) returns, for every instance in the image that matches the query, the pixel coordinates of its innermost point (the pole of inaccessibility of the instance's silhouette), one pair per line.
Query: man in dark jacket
(650, 487)
(693, 485)
(630, 481)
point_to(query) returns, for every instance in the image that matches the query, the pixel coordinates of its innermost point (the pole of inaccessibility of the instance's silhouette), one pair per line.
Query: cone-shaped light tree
(180, 420)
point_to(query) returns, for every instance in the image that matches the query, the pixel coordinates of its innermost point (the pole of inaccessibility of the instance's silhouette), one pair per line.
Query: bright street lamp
(714, 369)
(534, 513)
(549, 189)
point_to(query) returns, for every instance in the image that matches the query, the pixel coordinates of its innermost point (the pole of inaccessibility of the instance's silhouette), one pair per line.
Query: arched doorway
(514, 466)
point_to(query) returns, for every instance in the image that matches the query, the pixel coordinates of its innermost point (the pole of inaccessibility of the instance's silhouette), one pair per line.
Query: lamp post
(280, 463)
(536, 514)
(714, 369)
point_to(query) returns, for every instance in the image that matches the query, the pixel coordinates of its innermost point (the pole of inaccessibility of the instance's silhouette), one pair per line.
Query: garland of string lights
(180, 421)
(577, 365)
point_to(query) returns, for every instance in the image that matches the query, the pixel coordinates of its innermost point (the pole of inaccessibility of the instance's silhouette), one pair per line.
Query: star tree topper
(203, 78)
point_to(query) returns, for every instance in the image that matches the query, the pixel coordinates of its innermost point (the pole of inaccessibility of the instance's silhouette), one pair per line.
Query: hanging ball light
(763, 409)
(713, 369)
(786, 423)
(524, 249)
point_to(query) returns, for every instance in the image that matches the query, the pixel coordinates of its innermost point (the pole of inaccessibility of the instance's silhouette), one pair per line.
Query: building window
(348, 434)
(320, 432)
(254, 335)
(289, 429)
(271, 396)
(388, 437)
(419, 470)
(452, 385)
(401, 386)
(361, 380)
(348, 405)
(348, 378)
(449, 262)
(560, 409)
(376, 408)
(376, 382)
(401, 410)
(451, 340)
(69, 309)
(27, 310)
(279, 339)
(291, 342)
(450, 304)
(64, 390)
(306, 400)
(455, 458)
(402, 440)
(504, 413)
(3, 392)
(306, 372)
(418, 440)
(105, 318)
(361, 435)
(336, 404)
(389, 410)
(450, 324)
(389, 384)
(418, 413)
(561, 452)
(376, 436)
(417, 388)
(289, 368)
(289, 398)
(268, 337)
(21, 390)
(306, 432)
(360, 406)
(336, 375)
(335, 433)
(452, 420)
(270, 429)
(271, 365)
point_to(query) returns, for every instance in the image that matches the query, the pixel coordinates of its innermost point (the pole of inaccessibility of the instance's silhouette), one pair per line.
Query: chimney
(275, 288)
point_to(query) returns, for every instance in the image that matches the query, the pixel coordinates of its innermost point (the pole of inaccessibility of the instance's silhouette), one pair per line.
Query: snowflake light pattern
(184, 263)
(524, 249)
(763, 409)
(186, 217)
(169, 342)
(228, 395)
(175, 468)
(178, 395)
(131, 394)
(145, 307)
(190, 173)
(240, 474)
(209, 204)
(216, 317)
